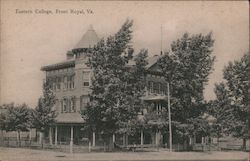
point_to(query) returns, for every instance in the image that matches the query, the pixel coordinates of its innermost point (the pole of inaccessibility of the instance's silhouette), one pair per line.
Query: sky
(32, 40)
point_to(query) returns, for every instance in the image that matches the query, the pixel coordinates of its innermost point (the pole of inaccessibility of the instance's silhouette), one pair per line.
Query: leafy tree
(222, 110)
(44, 114)
(133, 91)
(17, 118)
(187, 68)
(237, 79)
(116, 85)
(3, 111)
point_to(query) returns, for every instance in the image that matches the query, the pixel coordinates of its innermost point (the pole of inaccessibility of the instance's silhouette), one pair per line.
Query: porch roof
(154, 97)
(73, 118)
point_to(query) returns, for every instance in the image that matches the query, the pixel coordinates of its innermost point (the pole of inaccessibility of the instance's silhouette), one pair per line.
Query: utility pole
(169, 118)
(161, 39)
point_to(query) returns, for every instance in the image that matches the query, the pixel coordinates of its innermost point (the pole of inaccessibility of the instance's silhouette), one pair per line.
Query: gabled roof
(151, 61)
(89, 39)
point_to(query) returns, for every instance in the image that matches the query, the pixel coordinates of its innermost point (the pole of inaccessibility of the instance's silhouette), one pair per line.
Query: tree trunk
(244, 143)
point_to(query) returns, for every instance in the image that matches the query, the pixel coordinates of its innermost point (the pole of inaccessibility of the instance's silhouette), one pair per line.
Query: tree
(116, 85)
(187, 67)
(17, 118)
(44, 114)
(222, 110)
(3, 111)
(237, 79)
(133, 91)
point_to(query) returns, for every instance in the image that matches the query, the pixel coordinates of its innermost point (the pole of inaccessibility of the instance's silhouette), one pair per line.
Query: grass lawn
(21, 154)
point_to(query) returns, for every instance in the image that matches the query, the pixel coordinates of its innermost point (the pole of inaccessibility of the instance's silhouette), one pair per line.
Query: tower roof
(89, 39)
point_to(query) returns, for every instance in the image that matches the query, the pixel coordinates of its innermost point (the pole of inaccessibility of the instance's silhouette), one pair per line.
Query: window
(54, 84)
(68, 82)
(64, 105)
(158, 108)
(65, 84)
(58, 83)
(68, 104)
(84, 101)
(163, 89)
(72, 104)
(159, 89)
(72, 82)
(155, 87)
(61, 106)
(86, 78)
(85, 84)
(150, 86)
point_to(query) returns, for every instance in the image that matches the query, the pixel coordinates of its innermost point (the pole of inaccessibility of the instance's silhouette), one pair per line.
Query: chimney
(70, 55)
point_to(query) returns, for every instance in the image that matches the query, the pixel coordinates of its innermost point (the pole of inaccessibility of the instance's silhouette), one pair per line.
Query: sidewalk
(14, 154)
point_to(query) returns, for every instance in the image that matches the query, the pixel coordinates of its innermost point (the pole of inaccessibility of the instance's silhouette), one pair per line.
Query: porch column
(30, 133)
(40, 137)
(190, 141)
(142, 137)
(113, 138)
(156, 138)
(124, 139)
(56, 136)
(93, 141)
(71, 138)
(50, 135)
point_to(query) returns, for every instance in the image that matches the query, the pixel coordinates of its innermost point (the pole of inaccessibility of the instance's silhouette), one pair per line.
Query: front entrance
(63, 134)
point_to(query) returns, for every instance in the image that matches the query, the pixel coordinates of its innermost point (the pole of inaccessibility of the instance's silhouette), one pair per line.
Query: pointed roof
(89, 39)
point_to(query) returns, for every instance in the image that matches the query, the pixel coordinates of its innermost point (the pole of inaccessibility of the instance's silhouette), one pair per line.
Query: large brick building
(71, 80)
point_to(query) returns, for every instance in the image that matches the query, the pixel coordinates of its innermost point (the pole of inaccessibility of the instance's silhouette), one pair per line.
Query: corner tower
(82, 71)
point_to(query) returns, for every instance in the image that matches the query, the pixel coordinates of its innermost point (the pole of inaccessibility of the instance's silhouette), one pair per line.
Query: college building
(71, 81)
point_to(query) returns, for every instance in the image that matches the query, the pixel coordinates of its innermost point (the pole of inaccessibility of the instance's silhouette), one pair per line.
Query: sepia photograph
(124, 80)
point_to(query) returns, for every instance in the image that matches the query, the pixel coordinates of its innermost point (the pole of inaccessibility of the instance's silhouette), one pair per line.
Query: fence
(85, 145)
